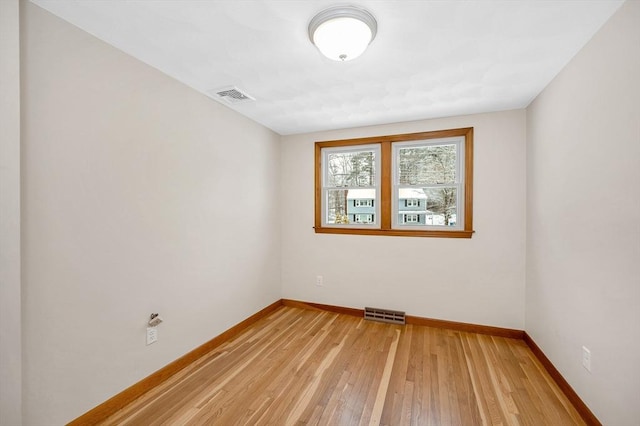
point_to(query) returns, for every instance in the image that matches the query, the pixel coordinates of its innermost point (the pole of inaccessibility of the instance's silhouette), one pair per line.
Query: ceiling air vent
(231, 95)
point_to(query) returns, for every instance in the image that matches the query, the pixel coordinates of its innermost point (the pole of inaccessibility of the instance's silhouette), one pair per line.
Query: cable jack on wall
(154, 320)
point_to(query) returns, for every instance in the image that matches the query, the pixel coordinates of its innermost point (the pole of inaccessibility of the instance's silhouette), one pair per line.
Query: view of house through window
(427, 181)
(418, 184)
(411, 218)
(363, 218)
(351, 186)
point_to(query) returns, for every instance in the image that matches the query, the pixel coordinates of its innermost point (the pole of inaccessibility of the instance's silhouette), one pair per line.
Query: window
(363, 203)
(410, 218)
(417, 184)
(429, 170)
(350, 184)
(363, 218)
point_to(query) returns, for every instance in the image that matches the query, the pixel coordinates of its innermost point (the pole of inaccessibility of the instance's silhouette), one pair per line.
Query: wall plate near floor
(586, 359)
(152, 335)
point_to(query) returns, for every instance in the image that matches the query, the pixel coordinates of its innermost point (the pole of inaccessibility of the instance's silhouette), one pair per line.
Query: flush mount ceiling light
(342, 33)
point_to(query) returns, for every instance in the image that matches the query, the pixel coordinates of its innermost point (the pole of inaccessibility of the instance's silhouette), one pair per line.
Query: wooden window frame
(386, 184)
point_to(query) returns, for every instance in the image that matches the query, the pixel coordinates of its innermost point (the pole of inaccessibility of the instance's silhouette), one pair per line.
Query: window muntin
(350, 185)
(444, 193)
(431, 171)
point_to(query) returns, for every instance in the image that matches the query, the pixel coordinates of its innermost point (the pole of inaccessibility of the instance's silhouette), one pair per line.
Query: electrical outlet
(152, 335)
(319, 280)
(586, 359)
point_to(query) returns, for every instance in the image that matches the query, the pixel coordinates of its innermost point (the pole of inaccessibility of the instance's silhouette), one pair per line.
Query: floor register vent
(384, 315)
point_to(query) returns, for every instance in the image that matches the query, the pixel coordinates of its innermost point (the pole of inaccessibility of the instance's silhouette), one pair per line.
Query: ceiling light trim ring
(343, 12)
(342, 33)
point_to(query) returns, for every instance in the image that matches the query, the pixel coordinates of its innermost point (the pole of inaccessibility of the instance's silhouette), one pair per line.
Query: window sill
(396, 232)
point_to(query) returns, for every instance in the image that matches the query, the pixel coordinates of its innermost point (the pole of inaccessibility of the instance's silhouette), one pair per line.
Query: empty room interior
(200, 201)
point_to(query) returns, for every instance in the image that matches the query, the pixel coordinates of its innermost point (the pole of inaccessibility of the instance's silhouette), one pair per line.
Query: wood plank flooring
(300, 366)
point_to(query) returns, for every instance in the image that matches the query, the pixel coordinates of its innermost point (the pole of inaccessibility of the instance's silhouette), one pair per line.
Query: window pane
(434, 206)
(350, 206)
(441, 206)
(427, 165)
(351, 169)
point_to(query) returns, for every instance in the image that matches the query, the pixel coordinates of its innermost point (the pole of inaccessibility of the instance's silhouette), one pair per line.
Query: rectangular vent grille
(231, 95)
(384, 315)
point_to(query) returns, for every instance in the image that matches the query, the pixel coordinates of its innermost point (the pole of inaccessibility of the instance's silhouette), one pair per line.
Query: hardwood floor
(302, 366)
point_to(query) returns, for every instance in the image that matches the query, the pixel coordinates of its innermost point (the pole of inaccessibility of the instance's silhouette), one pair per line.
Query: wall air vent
(384, 315)
(231, 95)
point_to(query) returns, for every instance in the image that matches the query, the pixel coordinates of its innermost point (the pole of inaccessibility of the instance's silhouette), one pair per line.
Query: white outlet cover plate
(152, 335)
(586, 358)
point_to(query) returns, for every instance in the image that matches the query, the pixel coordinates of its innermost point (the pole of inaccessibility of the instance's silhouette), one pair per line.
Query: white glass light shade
(342, 33)
(342, 39)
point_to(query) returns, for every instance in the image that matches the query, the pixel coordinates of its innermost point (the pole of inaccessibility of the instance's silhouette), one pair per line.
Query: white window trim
(459, 141)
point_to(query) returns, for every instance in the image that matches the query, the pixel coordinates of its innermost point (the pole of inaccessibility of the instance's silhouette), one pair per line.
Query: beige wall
(478, 280)
(10, 293)
(140, 195)
(583, 248)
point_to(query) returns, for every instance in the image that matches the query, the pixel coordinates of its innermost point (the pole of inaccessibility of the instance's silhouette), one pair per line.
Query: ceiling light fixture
(342, 33)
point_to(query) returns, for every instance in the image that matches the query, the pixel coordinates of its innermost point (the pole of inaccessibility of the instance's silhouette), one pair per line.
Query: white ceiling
(429, 59)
